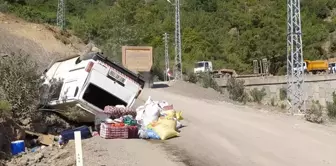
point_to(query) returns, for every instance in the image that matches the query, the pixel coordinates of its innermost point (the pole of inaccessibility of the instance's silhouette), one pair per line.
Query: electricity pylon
(295, 70)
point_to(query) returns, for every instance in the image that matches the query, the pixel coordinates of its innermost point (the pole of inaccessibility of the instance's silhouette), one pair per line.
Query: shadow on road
(159, 85)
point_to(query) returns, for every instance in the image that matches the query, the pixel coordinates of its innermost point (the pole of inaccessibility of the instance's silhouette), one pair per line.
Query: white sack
(140, 111)
(163, 104)
(151, 113)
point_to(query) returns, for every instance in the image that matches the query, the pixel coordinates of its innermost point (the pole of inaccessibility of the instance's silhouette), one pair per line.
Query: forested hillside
(231, 33)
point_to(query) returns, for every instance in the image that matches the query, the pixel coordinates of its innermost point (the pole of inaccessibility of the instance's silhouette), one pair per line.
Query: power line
(166, 77)
(61, 14)
(295, 70)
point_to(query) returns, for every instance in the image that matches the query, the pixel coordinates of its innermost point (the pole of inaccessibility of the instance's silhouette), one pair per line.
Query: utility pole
(166, 77)
(265, 65)
(178, 55)
(61, 14)
(295, 71)
(255, 67)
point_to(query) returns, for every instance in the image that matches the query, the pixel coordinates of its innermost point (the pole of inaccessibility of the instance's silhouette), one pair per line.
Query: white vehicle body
(90, 84)
(203, 66)
(304, 67)
(332, 67)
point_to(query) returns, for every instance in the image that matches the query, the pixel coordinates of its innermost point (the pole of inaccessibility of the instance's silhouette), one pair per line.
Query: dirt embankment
(43, 42)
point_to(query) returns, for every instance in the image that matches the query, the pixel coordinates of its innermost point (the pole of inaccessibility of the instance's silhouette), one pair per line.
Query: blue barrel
(17, 147)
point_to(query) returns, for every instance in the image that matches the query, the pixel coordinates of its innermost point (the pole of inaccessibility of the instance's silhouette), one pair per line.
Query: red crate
(133, 132)
(108, 131)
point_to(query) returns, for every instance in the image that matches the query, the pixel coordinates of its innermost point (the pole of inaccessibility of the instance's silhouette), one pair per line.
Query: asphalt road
(220, 133)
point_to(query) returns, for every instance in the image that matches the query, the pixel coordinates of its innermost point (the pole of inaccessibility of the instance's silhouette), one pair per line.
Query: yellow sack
(167, 122)
(165, 131)
(179, 115)
(173, 114)
(170, 113)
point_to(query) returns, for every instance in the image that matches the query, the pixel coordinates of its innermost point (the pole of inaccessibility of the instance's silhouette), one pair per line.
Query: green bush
(236, 90)
(257, 95)
(19, 84)
(283, 106)
(315, 112)
(282, 93)
(5, 108)
(191, 77)
(205, 79)
(331, 107)
(333, 44)
(209, 82)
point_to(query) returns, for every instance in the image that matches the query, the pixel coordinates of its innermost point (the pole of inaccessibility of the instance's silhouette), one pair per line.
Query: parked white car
(332, 67)
(90, 84)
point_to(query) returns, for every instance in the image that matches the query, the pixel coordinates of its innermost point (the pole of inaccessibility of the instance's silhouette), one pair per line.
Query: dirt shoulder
(100, 152)
(221, 133)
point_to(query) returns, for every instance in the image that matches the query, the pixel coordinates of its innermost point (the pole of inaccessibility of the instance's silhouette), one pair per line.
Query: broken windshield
(101, 98)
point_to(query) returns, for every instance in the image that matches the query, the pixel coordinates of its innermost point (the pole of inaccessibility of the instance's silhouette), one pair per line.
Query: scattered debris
(153, 120)
(49, 155)
(46, 139)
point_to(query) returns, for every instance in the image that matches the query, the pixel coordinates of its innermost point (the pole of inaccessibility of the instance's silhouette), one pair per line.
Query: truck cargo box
(317, 65)
(139, 59)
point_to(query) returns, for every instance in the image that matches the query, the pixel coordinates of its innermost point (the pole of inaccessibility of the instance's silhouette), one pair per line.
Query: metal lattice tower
(178, 55)
(61, 14)
(295, 71)
(166, 57)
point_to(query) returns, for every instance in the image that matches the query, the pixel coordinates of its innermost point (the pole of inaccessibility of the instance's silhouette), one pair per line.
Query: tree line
(230, 33)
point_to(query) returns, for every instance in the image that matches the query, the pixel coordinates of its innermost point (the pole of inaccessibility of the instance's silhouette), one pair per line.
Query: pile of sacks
(158, 120)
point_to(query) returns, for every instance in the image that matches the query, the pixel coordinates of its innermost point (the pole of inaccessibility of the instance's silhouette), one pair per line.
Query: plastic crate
(108, 131)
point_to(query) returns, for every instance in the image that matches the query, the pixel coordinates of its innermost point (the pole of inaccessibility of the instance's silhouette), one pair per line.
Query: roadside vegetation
(205, 80)
(283, 94)
(258, 95)
(331, 107)
(19, 86)
(314, 113)
(236, 90)
(19, 91)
